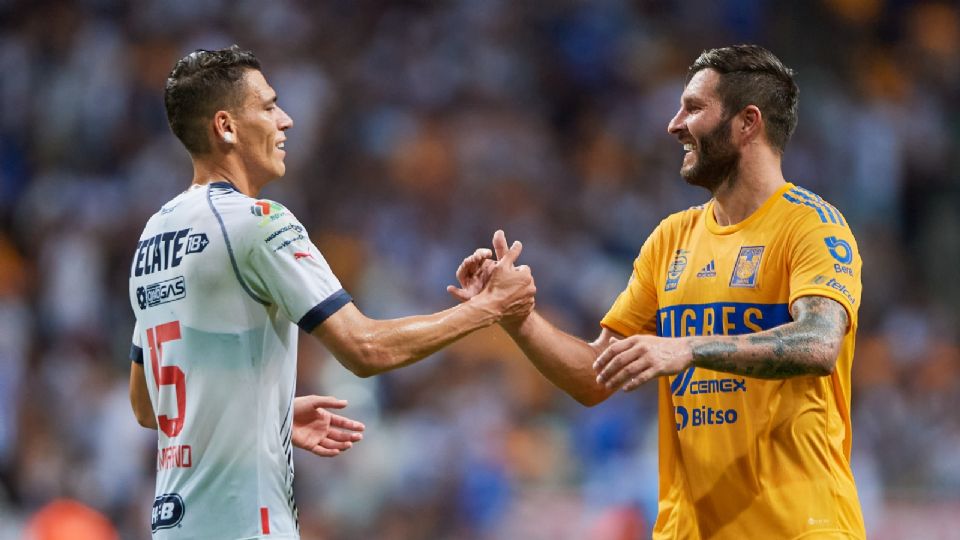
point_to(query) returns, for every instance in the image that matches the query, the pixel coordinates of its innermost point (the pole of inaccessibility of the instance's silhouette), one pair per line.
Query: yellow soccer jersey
(744, 458)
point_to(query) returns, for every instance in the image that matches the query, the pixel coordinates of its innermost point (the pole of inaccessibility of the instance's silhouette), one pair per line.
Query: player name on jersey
(174, 457)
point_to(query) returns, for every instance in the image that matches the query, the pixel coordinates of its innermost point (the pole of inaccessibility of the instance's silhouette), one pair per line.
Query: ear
(224, 127)
(749, 123)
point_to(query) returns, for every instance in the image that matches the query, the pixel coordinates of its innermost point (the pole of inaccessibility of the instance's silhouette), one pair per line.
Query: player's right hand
(512, 287)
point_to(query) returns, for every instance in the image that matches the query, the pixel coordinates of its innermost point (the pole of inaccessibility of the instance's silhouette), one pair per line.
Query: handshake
(499, 287)
(589, 372)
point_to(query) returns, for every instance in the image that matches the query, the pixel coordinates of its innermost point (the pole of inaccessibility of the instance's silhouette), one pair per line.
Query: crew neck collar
(716, 228)
(223, 184)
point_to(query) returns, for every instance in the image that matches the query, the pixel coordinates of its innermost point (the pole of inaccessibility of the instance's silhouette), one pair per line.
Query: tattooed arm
(807, 346)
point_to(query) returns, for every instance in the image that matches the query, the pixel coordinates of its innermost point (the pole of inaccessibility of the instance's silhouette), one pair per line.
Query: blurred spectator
(64, 519)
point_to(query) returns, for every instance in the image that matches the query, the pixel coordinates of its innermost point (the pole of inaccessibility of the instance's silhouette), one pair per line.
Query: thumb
(457, 293)
(328, 402)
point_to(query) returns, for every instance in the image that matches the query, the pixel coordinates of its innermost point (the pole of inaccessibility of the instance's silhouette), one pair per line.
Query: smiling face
(711, 157)
(259, 132)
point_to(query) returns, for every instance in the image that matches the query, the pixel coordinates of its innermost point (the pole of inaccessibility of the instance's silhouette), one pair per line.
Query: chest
(697, 264)
(711, 284)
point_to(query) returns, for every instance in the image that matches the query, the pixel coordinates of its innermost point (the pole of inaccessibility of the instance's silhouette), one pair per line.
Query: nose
(285, 122)
(675, 125)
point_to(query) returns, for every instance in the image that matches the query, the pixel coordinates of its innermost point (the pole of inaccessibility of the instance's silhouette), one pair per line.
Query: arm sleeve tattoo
(807, 346)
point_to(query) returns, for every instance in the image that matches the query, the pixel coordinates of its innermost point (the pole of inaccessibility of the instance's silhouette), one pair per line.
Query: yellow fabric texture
(744, 458)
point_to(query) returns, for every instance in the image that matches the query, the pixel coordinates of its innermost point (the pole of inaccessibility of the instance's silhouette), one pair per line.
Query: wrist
(700, 349)
(514, 326)
(484, 310)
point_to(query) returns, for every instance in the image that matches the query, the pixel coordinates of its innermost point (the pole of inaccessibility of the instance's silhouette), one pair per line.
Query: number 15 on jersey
(168, 375)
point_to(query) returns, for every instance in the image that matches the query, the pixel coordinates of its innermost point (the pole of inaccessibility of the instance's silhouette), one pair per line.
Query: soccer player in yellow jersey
(743, 311)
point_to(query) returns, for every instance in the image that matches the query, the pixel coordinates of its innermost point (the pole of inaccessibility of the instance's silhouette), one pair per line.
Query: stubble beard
(717, 159)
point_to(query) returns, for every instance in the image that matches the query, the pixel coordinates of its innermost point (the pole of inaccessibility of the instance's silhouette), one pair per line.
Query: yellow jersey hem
(814, 534)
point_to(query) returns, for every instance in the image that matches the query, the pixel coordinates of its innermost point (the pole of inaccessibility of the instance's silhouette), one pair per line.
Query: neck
(751, 185)
(223, 169)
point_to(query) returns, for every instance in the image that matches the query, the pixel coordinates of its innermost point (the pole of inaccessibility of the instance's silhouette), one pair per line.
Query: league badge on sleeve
(268, 210)
(675, 270)
(747, 268)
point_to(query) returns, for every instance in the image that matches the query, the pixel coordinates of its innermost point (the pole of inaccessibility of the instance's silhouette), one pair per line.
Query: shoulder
(683, 219)
(253, 221)
(239, 211)
(815, 224)
(224, 199)
(670, 229)
(808, 210)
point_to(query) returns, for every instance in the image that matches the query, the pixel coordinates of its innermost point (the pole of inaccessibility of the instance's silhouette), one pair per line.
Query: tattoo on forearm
(806, 346)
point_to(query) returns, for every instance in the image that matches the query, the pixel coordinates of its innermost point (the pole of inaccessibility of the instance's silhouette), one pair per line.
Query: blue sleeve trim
(324, 310)
(233, 260)
(136, 354)
(795, 200)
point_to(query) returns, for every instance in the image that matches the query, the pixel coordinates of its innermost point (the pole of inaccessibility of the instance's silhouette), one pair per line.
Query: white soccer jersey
(218, 282)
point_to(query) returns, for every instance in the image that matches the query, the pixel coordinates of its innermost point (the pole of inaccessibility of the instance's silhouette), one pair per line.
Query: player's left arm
(809, 345)
(140, 397)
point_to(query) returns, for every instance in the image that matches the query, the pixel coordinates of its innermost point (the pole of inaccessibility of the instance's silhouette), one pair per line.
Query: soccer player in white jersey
(219, 283)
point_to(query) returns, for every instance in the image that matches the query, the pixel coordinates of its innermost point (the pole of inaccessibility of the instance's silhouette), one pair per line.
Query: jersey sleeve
(635, 309)
(283, 267)
(136, 347)
(826, 262)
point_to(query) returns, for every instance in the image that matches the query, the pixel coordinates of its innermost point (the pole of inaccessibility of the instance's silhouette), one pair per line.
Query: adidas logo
(710, 270)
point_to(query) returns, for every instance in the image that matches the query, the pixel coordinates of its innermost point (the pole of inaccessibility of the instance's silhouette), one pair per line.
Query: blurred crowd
(419, 128)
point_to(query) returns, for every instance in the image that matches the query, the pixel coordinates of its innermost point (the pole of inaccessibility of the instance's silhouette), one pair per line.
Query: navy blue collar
(224, 184)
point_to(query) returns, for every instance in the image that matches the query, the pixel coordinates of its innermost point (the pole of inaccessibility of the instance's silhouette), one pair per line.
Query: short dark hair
(202, 83)
(752, 75)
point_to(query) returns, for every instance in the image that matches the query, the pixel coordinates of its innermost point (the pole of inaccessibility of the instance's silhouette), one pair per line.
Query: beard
(717, 159)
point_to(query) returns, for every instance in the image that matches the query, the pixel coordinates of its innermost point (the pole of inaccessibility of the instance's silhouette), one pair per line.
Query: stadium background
(420, 127)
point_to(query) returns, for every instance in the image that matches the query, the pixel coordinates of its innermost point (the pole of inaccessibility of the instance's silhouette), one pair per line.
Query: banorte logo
(265, 208)
(269, 211)
(260, 208)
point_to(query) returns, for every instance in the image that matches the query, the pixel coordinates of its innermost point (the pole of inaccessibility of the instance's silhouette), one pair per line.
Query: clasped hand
(629, 362)
(624, 363)
(511, 288)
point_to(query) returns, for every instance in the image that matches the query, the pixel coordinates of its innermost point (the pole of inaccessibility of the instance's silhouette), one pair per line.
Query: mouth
(281, 145)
